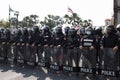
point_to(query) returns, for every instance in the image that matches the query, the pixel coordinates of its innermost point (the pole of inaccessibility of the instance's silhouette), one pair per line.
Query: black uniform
(73, 42)
(5, 47)
(46, 34)
(98, 34)
(19, 47)
(108, 43)
(66, 29)
(58, 43)
(88, 52)
(29, 49)
(33, 41)
(118, 55)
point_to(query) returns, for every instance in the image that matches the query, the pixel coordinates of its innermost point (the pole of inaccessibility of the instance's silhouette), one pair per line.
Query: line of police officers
(31, 46)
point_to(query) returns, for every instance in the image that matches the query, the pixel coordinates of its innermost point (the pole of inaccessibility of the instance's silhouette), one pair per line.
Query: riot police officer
(109, 44)
(98, 34)
(58, 42)
(66, 29)
(1, 55)
(47, 39)
(21, 50)
(37, 42)
(118, 52)
(73, 42)
(16, 41)
(31, 49)
(87, 47)
(6, 40)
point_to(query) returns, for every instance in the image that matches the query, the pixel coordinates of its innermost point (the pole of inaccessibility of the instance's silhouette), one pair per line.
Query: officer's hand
(46, 45)
(33, 45)
(13, 44)
(58, 46)
(27, 45)
(3, 43)
(23, 44)
(81, 47)
(18, 44)
(115, 48)
(51, 46)
(39, 45)
(91, 48)
(101, 47)
(8, 43)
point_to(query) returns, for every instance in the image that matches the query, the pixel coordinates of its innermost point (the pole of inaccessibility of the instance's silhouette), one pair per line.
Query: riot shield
(11, 53)
(88, 61)
(57, 58)
(109, 62)
(72, 60)
(20, 51)
(40, 55)
(3, 52)
(31, 55)
(47, 55)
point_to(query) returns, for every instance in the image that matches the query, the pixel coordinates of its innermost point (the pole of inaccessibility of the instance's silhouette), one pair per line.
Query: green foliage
(51, 20)
(4, 24)
(29, 21)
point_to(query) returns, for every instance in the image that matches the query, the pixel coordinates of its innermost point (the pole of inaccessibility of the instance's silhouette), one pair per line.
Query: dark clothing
(88, 41)
(24, 39)
(58, 40)
(73, 41)
(37, 38)
(118, 42)
(30, 39)
(47, 39)
(98, 40)
(109, 41)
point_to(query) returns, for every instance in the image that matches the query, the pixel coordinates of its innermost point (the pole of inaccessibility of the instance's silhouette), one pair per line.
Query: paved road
(19, 73)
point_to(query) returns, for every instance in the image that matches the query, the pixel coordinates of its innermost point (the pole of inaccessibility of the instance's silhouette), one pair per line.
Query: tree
(4, 24)
(29, 21)
(52, 21)
(25, 21)
(87, 22)
(73, 19)
(34, 19)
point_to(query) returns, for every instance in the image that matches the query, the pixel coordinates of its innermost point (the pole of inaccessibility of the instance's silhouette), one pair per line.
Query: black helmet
(7, 32)
(111, 29)
(72, 32)
(25, 31)
(36, 29)
(30, 32)
(19, 32)
(58, 30)
(66, 29)
(45, 29)
(88, 30)
(118, 27)
(98, 30)
(82, 31)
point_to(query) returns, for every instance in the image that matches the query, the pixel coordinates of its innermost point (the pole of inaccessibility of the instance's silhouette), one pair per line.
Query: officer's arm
(81, 45)
(102, 42)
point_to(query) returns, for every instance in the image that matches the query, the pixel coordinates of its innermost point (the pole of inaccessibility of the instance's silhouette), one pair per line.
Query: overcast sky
(96, 10)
